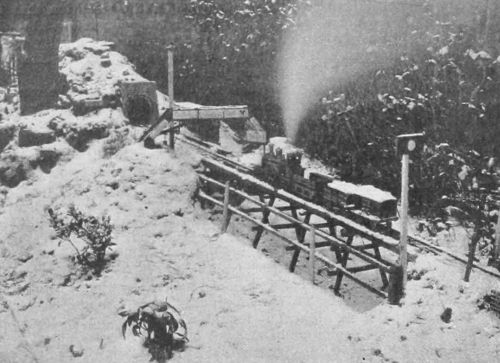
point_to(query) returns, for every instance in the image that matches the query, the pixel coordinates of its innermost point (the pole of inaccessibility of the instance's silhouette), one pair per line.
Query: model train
(282, 167)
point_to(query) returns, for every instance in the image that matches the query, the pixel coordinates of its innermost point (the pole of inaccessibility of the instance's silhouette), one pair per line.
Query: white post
(170, 70)
(403, 257)
(312, 252)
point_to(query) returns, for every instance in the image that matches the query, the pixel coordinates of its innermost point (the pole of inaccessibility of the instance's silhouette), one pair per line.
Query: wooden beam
(364, 247)
(312, 255)
(300, 232)
(226, 214)
(211, 113)
(253, 210)
(345, 258)
(283, 226)
(265, 220)
(362, 268)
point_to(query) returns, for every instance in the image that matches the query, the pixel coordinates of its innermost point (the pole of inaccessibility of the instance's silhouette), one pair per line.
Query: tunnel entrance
(139, 101)
(140, 109)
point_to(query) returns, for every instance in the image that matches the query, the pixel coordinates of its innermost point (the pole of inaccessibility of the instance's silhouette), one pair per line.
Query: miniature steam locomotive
(281, 167)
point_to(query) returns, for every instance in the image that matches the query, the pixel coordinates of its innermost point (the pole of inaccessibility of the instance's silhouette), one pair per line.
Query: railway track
(391, 237)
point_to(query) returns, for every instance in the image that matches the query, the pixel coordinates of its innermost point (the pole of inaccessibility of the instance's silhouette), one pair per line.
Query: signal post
(406, 145)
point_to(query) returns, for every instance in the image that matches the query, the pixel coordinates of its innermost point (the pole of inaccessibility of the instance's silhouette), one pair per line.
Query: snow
(478, 55)
(239, 304)
(345, 187)
(378, 195)
(80, 62)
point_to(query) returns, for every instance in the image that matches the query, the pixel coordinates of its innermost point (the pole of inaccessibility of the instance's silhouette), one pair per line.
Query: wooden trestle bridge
(258, 202)
(337, 233)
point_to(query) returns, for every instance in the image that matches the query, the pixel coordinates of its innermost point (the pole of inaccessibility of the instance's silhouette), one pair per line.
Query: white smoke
(338, 41)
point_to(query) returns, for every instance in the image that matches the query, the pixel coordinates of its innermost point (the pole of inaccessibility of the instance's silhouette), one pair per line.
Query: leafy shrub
(456, 184)
(160, 323)
(95, 234)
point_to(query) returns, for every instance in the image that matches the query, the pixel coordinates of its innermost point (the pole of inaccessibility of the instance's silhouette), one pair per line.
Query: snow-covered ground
(240, 304)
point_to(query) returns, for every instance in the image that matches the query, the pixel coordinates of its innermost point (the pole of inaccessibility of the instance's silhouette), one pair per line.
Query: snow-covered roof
(378, 195)
(365, 191)
(345, 187)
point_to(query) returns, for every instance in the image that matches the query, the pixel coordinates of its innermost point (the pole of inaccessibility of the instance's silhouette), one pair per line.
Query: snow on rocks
(18, 164)
(35, 135)
(79, 131)
(93, 72)
(45, 137)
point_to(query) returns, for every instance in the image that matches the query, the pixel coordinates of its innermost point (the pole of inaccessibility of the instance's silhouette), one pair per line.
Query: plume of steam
(338, 40)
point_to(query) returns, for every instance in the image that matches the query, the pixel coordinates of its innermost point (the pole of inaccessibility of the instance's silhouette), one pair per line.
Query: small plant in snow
(93, 232)
(160, 323)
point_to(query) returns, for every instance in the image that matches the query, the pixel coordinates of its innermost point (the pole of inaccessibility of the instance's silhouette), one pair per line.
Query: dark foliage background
(230, 58)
